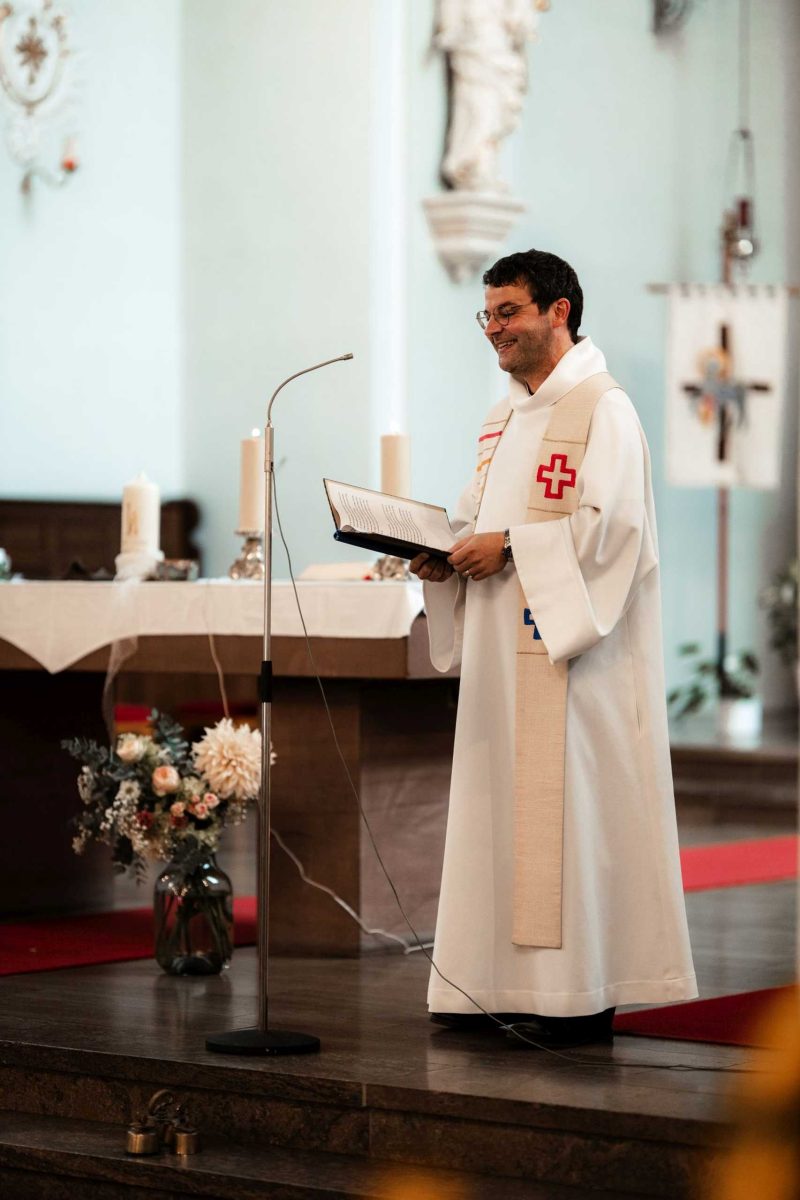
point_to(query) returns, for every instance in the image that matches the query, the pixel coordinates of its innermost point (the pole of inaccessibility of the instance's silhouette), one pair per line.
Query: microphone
(261, 1039)
(297, 374)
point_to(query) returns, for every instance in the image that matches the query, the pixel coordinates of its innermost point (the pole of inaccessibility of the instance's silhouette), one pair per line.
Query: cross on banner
(719, 395)
(701, 451)
(726, 364)
(556, 475)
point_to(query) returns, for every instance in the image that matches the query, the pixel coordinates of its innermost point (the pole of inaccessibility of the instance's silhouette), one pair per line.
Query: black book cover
(386, 545)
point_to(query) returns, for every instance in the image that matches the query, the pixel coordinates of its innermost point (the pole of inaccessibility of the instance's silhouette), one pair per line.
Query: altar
(394, 717)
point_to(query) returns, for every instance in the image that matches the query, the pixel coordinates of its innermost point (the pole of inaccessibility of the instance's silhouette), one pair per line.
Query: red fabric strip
(726, 1020)
(45, 944)
(94, 938)
(731, 864)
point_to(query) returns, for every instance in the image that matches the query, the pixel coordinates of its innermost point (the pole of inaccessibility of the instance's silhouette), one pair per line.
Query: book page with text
(365, 511)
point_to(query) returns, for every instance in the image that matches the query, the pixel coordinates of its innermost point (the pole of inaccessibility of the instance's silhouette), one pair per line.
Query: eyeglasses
(502, 315)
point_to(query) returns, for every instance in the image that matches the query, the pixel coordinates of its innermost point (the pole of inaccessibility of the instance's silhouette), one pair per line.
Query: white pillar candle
(251, 485)
(396, 464)
(141, 517)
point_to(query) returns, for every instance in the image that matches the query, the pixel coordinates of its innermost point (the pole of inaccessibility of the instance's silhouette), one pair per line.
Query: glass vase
(193, 908)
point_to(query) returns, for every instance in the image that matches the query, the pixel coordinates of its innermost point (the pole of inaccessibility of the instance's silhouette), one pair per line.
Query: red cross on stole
(556, 476)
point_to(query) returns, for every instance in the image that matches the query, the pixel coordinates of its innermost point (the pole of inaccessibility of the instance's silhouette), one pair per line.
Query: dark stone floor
(92, 1044)
(370, 1014)
(85, 1048)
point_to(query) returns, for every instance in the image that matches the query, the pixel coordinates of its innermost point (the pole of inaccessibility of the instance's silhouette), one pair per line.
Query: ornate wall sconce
(34, 76)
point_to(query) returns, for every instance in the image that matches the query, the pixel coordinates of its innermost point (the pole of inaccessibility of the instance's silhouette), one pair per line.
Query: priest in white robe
(613, 923)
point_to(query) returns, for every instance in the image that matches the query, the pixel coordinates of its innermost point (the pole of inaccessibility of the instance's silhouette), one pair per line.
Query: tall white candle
(396, 464)
(251, 485)
(141, 516)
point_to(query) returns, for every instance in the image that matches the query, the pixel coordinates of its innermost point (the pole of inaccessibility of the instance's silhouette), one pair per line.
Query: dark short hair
(547, 278)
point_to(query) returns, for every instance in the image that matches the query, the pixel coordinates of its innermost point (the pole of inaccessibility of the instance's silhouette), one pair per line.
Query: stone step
(49, 1158)
(760, 772)
(94, 1044)
(379, 1124)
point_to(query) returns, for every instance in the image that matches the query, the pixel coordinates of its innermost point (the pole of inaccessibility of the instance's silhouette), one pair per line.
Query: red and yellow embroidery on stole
(488, 441)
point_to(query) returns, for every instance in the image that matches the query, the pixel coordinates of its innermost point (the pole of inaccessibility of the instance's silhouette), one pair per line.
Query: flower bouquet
(158, 798)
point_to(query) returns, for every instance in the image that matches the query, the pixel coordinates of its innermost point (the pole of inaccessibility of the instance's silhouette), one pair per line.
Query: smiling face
(532, 342)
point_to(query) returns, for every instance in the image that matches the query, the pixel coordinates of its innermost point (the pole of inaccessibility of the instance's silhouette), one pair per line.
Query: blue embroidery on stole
(528, 620)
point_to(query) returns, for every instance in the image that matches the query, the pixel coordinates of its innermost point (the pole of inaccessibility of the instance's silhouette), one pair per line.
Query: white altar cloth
(58, 623)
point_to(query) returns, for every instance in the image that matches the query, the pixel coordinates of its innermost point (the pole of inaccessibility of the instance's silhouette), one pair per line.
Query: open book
(388, 524)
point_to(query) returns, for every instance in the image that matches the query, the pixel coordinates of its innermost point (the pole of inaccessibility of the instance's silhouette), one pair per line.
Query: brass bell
(166, 1131)
(187, 1139)
(161, 1111)
(142, 1138)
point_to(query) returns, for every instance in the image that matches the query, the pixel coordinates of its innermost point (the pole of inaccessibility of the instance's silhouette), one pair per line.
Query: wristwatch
(508, 553)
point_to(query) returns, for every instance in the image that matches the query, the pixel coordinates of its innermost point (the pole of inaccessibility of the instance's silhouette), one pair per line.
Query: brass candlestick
(250, 563)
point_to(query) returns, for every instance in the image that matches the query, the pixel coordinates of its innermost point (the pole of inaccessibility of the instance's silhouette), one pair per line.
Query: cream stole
(541, 702)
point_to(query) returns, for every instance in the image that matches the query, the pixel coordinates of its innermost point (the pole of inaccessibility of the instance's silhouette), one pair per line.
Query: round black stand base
(262, 1041)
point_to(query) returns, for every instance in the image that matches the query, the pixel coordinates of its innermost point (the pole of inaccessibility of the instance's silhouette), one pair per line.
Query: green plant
(780, 602)
(735, 680)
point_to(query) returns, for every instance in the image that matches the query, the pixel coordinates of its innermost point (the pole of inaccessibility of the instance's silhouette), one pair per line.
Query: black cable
(508, 1028)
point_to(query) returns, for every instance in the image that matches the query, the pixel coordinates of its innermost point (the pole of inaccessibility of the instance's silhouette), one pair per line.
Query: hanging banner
(726, 361)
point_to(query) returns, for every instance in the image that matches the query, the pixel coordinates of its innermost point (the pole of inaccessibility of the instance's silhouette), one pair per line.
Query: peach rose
(177, 809)
(165, 781)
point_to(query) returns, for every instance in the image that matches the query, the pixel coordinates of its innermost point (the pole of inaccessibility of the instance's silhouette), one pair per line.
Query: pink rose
(165, 780)
(177, 809)
(210, 800)
(200, 810)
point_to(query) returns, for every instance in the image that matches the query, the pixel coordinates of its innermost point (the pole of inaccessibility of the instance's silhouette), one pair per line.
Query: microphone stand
(262, 1039)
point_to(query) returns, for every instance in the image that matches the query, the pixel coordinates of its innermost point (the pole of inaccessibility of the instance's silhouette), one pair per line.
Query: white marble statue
(485, 43)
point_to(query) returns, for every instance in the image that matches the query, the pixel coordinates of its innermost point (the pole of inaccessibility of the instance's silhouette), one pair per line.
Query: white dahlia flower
(230, 759)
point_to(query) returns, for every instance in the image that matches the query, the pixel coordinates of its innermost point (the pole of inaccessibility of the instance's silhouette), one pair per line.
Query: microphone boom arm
(297, 374)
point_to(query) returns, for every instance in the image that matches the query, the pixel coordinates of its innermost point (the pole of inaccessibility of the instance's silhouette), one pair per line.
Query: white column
(389, 224)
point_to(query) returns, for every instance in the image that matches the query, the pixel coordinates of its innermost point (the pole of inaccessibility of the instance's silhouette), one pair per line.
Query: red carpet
(96, 938)
(726, 1020)
(42, 945)
(732, 864)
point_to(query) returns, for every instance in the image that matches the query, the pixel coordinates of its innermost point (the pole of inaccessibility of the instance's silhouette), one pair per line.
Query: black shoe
(476, 1021)
(561, 1033)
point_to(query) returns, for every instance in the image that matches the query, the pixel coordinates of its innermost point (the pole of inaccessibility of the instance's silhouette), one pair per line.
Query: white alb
(592, 584)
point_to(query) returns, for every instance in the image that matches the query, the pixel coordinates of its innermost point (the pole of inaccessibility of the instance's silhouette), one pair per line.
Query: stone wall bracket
(469, 227)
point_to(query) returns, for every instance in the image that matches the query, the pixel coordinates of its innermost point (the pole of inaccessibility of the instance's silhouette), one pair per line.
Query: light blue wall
(90, 389)
(452, 378)
(223, 232)
(276, 211)
(620, 159)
